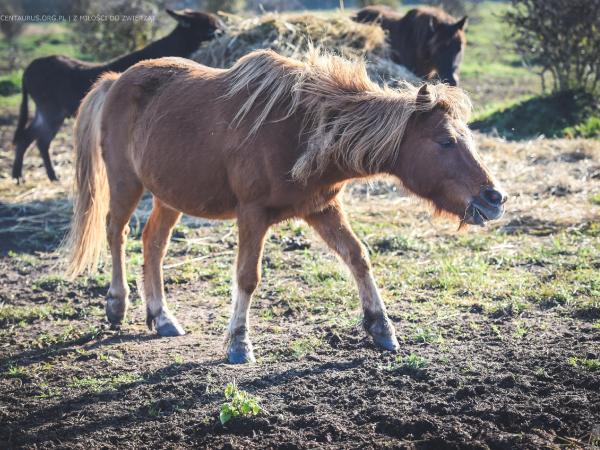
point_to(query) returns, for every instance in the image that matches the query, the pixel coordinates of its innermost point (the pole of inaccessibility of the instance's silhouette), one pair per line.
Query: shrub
(106, 39)
(561, 37)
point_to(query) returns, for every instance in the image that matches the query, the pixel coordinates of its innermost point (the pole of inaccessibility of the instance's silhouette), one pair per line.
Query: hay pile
(292, 34)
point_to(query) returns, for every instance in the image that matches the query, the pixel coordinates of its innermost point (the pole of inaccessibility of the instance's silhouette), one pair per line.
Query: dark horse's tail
(23, 114)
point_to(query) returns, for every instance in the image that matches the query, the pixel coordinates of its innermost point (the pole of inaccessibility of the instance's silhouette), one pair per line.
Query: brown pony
(426, 40)
(270, 139)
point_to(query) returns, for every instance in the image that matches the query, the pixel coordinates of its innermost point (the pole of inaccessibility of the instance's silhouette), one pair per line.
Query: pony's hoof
(239, 350)
(382, 331)
(115, 311)
(170, 330)
(241, 356)
(386, 342)
(166, 325)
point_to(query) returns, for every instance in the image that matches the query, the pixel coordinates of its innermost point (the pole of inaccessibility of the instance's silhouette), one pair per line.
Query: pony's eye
(448, 143)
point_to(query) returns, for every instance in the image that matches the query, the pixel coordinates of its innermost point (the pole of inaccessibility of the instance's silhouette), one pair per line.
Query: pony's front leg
(332, 226)
(155, 237)
(252, 228)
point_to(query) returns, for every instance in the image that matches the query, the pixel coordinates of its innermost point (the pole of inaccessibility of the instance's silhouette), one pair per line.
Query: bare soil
(502, 370)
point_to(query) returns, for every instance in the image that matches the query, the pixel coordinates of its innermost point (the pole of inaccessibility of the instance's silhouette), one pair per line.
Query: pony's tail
(23, 113)
(86, 241)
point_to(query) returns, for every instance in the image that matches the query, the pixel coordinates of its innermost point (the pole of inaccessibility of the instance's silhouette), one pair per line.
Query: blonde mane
(348, 118)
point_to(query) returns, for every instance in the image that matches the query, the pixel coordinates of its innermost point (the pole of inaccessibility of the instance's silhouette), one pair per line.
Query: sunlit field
(499, 327)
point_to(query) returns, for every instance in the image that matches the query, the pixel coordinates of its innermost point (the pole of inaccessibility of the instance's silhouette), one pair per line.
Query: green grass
(15, 313)
(557, 115)
(489, 51)
(590, 364)
(110, 383)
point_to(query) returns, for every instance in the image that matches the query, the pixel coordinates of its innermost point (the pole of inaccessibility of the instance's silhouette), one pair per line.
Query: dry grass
(550, 182)
(293, 34)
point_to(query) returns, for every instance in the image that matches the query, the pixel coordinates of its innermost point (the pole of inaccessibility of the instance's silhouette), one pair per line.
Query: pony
(57, 84)
(270, 139)
(426, 40)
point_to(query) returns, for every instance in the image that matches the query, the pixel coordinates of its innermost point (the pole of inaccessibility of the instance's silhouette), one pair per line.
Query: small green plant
(412, 362)
(427, 336)
(238, 403)
(592, 365)
(595, 199)
(16, 372)
(305, 346)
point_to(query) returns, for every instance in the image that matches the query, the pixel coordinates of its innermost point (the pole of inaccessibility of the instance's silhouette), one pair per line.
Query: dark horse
(58, 83)
(426, 40)
(268, 140)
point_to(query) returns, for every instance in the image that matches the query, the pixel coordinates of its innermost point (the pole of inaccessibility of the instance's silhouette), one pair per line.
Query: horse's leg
(156, 236)
(252, 228)
(332, 226)
(124, 197)
(46, 135)
(21, 146)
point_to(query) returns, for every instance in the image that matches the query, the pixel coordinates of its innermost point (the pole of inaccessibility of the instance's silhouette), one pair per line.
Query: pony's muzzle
(488, 205)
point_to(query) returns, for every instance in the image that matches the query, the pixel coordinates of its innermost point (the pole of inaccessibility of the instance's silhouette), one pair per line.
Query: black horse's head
(197, 26)
(446, 46)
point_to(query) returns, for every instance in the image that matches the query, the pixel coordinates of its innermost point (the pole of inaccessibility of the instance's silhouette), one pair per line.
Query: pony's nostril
(493, 197)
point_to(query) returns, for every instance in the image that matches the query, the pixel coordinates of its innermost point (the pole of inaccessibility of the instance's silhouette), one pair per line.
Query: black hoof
(381, 330)
(115, 311)
(170, 329)
(244, 356)
(164, 323)
(386, 342)
(239, 350)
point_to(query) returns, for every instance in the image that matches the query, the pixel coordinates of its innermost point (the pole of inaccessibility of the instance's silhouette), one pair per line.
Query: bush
(107, 39)
(561, 37)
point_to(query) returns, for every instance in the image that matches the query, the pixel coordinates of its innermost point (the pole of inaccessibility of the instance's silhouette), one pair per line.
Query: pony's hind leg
(123, 199)
(332, 226)
(252, 228)
(43, 142)
(156, 236)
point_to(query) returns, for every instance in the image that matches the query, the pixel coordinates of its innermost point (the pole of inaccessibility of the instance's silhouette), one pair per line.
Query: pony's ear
(180, 18)
(461, 24)
(424, 95)
(448, 29)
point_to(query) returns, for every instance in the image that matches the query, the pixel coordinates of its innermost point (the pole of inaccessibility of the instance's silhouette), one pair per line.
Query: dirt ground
(499, 328)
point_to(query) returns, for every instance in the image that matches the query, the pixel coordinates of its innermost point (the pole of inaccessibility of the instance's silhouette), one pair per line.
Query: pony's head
(443, 41)
(446, 45)
(197, 26)
(438, 159)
